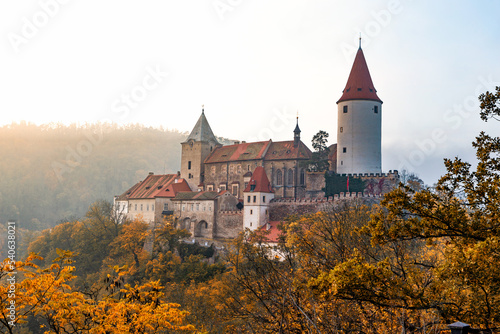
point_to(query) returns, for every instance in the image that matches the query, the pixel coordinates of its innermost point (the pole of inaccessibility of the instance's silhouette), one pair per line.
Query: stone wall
(229, 224)
(315, 183)
(281, 208)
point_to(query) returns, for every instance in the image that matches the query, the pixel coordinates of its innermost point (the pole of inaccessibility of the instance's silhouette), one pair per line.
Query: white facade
(359, 137)
(256, 206)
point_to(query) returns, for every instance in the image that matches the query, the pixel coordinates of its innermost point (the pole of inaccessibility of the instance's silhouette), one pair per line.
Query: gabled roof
(202, 131)
(284, 150)
(196, 195)
(359, 85)
(173, 188)
(239, 152)
(158, 186)
(260, 181)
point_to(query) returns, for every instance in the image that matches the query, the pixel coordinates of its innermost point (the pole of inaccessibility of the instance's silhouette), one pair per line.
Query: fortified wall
(280, 208)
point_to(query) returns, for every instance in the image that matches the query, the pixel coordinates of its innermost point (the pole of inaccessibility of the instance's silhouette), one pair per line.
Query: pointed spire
(297, 129)
(359, 85)
(202, 130)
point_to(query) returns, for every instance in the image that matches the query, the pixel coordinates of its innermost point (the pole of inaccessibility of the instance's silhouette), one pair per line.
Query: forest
(420, 260)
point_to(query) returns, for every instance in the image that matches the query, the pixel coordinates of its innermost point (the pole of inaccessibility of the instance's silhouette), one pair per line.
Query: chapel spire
(359, 85)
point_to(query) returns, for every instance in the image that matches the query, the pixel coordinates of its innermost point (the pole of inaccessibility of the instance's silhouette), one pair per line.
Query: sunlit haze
(254, 65)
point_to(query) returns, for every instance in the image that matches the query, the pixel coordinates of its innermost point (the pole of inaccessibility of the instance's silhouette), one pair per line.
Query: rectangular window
(135, 207)
(142, 208)
(344, 149)
(251, 212)
(341, 129)
(222, 187)
(197, 207)
(248, 198)
(255, 199)
(183, 208)
(375, 109)
(345, 109)
(342, 163)
(147, 207)
(192, 207)
(264, 199)
(235, 190)
(152, 207)
(189, 164)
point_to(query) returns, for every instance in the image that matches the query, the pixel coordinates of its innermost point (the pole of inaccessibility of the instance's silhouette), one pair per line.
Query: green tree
(319, 160)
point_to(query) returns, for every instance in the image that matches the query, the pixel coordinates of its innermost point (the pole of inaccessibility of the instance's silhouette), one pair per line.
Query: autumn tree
(124, 308)
(457, 227)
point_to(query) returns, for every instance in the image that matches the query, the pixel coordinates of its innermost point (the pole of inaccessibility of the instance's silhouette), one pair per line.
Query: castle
(221, 190)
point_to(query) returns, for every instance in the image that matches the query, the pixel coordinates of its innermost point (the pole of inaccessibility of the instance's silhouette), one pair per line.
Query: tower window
(341, 129)
(251, 212)
(375, 109)
(345, 109)
(189, 164)
(344, 149)
(264, 199)
(255, 199)
(342, 163)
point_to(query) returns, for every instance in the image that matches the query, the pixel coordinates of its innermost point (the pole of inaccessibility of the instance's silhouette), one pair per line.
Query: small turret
(296, 134)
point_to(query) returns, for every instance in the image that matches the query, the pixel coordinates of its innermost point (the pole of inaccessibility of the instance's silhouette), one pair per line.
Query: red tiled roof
(157, 186)
(260, 181)
(239, 152)
(274, 232)
(126, 194)
(284, 150)
(359, 85)
(173, 188)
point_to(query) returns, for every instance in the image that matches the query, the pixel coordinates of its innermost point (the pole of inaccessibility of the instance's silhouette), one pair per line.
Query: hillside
(54, 172)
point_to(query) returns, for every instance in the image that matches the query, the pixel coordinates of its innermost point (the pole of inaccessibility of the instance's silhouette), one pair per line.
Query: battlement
(391, 173)
(326, 199)
(232, 212)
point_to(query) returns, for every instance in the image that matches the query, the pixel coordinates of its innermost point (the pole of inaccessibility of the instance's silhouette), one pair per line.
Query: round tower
(359, 130)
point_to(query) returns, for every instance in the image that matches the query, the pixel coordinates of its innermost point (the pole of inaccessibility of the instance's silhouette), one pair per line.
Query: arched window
(290, 177)
(302, 177)
(279, 177)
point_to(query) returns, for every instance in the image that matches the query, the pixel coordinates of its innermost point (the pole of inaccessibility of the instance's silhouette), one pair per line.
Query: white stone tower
(256, 198)
(359, 131)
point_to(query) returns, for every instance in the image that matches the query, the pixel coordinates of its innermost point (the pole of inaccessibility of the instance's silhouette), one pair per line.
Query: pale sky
(254, 64)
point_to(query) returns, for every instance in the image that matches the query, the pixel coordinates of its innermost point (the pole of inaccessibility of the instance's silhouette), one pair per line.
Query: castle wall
(280, 208)
(315, 183)
(229, 224)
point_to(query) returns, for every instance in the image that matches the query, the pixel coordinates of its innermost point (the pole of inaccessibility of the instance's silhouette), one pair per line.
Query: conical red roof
(359, 85)
(260, 181)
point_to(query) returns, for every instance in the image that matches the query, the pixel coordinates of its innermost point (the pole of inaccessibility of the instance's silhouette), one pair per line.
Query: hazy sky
(254, 64)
